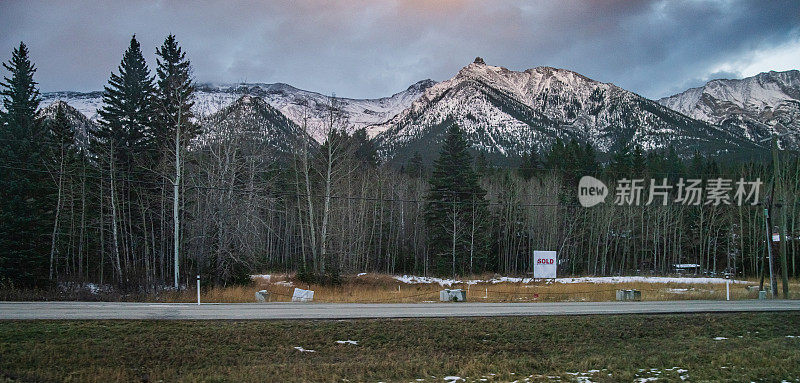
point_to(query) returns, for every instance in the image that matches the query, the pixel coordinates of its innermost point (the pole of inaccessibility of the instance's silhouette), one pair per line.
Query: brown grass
(381, 288)
(613, 348)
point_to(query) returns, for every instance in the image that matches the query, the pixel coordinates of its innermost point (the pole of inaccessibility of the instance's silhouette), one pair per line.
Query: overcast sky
(375, 48)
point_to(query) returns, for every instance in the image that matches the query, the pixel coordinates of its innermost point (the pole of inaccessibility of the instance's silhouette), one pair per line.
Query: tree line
(155, 195)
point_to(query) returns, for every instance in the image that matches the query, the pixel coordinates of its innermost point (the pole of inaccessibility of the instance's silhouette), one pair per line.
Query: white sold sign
(544, 264)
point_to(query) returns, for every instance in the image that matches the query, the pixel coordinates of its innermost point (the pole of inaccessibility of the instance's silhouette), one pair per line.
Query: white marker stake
(198, 290)
(728, 288)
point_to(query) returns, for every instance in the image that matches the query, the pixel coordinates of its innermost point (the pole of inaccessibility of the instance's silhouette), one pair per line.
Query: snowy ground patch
(353, 342)
(90, 288)
(298, 348)
(413, 279)
(633, 279)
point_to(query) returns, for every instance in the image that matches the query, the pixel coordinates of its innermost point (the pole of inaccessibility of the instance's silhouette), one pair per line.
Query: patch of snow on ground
(265, 277)
(354, 342)
(413, 279)
(285, 283)
(362, 274)
(720, 338)
(298, 348)
(685, 280)
(91, 288)
(452, 378)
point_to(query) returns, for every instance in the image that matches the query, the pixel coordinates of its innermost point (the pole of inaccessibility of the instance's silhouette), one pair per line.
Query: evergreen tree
(530, 166)
(175, 93)
(126, 118)
(587, 162)
(61, 131)
(416, 168)
(697, 165)
(638, 162)
(482, 165)
(555, 157)
(25, 206)
(455, 205)
(621, 164)
(125, 143)
(363, 148)
(674, 165)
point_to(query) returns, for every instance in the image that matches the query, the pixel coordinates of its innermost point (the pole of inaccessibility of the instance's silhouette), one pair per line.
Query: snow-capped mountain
(86, 103)
(296, 104)
(503, 113)
(80, 124)
(251, 119)
(758, 106)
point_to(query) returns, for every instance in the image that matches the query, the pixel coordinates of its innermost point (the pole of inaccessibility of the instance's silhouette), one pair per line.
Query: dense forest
(152, 197)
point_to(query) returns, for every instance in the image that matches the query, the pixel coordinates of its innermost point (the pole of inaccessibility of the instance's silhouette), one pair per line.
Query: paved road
(169, 311)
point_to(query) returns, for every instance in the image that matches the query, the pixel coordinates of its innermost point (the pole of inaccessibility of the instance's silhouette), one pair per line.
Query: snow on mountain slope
(754, 106)
(250, 119)
(504, 112)
(81, 125)
(292, 102)
(84, 102)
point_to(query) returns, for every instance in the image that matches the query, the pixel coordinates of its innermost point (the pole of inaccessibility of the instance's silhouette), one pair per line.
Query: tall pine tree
(25, 206)
(125, 142)
(126, 118)
(454, 210)
(175, 93)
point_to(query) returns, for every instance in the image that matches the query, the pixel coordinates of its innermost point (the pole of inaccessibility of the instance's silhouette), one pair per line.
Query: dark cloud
(372, 48)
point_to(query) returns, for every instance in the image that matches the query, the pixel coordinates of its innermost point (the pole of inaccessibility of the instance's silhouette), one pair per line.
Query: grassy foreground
(602, 348)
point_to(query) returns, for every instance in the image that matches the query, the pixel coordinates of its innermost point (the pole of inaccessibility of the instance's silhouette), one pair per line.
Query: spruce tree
(125, 143)
(638, 162)
(175, 93)
(530, 165)
(62, 134)
(455, 205)
(621, 164)
(363, 148)
(25, 211)
(126, 118)
(416, 168)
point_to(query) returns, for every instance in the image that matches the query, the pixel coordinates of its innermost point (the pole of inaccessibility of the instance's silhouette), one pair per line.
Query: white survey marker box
(544, 264)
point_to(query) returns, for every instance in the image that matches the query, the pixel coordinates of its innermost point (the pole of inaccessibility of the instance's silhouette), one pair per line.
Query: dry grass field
(745, 347)
(381, 288)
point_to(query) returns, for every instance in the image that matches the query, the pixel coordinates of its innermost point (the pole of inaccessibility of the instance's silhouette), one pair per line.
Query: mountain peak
(506, 113)
(421, 85)
(753, 106)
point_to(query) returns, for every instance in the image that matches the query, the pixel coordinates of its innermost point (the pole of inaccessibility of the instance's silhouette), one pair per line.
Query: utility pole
(782, 230)
(773, 284)
(782, 246)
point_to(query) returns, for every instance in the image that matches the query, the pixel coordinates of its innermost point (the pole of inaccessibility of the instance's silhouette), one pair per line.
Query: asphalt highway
(246, 311)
